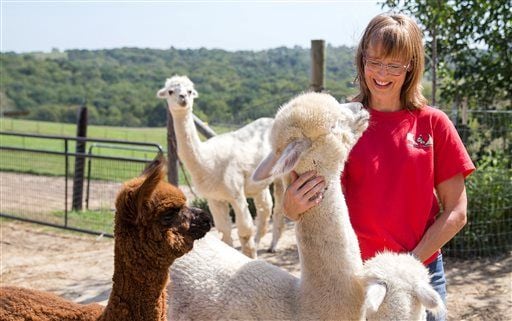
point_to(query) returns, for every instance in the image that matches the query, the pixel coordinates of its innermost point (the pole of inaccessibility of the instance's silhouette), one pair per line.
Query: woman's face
(384, 83)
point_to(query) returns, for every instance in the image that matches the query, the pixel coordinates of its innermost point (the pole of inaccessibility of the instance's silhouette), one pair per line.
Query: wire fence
(487, 136)
(47, 182)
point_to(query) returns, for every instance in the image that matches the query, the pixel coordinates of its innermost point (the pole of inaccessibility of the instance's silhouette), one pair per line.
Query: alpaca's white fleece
(213, 282)
(216, 282)
(405, 290)
(221, 167)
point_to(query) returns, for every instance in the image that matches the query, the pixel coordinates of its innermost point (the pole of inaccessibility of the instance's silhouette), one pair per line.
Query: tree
(468, 42)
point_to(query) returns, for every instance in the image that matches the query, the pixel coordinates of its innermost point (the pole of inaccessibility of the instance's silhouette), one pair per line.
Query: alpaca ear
(374, 296)
(360, 122)
(290, 157)
(153, 174)
(273, 166)
(429, 298)
(354, 107)
(194, 93)
(162, 93)
(264, 168)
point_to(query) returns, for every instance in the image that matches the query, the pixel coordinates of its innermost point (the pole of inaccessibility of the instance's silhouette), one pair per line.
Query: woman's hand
(304, 192)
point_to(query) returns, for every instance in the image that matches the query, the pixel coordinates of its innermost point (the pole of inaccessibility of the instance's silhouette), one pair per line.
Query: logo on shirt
(420, 141)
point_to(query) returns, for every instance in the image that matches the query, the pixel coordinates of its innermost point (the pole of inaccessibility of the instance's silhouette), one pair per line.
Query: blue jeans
(438, 282)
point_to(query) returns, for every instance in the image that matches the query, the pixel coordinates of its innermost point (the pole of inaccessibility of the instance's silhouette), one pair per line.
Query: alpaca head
(180, 93)
(312, 131)
(152, 218)
(398, 288)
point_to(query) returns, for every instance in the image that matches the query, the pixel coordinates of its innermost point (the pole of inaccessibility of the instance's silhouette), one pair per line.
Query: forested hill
(119, 85)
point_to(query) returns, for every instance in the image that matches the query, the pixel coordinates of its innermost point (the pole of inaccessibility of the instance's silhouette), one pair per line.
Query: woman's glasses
(392, 69)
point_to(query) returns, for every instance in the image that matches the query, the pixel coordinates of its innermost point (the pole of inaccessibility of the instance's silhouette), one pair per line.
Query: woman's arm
(452, 194)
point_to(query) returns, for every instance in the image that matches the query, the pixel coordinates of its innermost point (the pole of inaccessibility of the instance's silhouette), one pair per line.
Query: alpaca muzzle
(200, 223)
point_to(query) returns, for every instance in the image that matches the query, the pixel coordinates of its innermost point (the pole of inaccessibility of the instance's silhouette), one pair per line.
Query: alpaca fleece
(221, 168)
(213, 282)
(20, 304)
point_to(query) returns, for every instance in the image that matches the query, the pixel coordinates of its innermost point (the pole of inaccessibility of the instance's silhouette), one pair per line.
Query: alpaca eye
(171, 92)
(337, 128)
(189, 92)
(169, 217)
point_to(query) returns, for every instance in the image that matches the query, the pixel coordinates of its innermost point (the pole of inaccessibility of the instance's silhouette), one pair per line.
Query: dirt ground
(79, 267)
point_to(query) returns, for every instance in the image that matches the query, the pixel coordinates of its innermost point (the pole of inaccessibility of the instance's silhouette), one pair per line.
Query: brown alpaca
(153, 227)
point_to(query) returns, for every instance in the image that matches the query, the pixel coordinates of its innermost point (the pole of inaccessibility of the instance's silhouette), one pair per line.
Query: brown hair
(399, 37)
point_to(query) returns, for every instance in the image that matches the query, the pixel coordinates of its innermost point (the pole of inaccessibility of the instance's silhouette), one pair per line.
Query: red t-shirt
(391, 174)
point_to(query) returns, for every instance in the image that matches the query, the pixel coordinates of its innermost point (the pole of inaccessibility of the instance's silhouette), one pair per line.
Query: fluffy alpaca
(153, 227)
(398, 288)
(221, 168)
(312, 131)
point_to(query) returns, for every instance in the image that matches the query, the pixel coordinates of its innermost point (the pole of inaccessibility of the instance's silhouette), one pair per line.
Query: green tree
(470, 48)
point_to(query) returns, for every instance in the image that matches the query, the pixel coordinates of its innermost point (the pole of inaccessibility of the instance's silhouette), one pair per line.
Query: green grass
(54, 230)
(101, 221)
(156, 135)
(54, 165)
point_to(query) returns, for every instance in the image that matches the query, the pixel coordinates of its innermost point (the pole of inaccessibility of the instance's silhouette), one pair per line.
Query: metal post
(66, 170)
(78, 181)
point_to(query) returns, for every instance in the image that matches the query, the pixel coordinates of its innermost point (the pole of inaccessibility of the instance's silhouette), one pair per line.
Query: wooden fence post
(317, 65)
(172, 152)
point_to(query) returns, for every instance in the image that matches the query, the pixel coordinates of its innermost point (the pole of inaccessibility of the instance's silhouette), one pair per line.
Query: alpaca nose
(202, 221)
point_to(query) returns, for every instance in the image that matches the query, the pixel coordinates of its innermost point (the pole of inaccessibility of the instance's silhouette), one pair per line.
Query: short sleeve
(450, 155)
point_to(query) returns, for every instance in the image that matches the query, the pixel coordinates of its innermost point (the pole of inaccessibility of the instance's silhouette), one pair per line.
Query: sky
(43, 25)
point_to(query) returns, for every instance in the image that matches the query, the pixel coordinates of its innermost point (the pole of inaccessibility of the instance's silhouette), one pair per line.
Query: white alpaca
(312, 131)
(398, 288)
(221, 168)
(214, 282)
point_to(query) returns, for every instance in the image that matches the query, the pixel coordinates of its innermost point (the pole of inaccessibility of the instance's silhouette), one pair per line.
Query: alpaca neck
(139, 290)
(327, 243)
(187, 139)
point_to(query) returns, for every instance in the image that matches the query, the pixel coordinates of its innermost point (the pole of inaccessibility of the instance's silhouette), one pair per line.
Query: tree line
(119, 85)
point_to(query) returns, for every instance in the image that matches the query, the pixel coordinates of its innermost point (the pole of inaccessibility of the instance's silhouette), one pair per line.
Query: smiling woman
(408, 160)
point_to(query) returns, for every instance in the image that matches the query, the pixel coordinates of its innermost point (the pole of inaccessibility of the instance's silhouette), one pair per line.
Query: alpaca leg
(263, 204)
(220, 213)
(277, 215)
(245, 226)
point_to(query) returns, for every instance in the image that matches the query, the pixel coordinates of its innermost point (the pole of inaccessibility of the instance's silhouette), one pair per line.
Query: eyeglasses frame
(386, 66)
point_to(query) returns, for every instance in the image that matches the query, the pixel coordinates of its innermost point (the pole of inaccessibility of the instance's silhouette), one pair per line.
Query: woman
(408, 161)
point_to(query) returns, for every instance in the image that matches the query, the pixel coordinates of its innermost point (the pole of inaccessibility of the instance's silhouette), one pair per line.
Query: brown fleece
(153, 227)
(17, 304)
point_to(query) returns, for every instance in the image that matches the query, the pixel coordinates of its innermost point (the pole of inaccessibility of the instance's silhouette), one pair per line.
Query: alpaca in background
(221, 168)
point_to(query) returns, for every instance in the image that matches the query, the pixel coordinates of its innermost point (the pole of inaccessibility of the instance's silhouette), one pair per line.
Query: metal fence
(487, 136)
(41, 175)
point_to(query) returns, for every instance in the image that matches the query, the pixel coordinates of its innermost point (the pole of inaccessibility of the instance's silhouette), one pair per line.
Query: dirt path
(79, 267)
